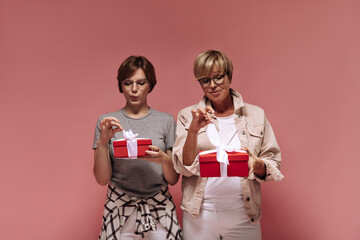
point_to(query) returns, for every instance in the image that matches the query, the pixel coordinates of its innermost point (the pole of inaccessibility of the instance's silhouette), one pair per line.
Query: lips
(133, 98)
(215, 93)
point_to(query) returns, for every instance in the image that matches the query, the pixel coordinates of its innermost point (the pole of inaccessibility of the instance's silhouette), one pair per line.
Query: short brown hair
(133, 63)
(205, 62)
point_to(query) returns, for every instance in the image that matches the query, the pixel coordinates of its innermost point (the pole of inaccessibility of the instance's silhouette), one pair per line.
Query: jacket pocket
(256, 137)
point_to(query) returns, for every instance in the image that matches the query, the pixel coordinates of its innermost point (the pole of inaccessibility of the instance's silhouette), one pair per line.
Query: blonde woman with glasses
(223, 207)
(138, 203)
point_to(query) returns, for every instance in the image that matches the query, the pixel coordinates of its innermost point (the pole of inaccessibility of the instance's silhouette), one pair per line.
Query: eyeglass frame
(213, 79)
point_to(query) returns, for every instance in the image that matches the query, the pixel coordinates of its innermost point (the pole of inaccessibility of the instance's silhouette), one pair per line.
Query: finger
(115, 130)
(106, 120)
(209, 109)
(116, 125)
(204, 115)
(248, 152)
(250, 165)
(151, 154)
(251, 159)
(209, 117)
(194, 113)
(154, 148)
(201, 111)
(194, 110)
(105, 124)
(111, 119)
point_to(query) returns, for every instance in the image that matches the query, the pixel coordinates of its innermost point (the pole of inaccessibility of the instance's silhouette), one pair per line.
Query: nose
(134, 87)
(212, 83)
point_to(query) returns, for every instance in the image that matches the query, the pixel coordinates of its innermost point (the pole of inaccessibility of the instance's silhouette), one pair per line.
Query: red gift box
(238, 164)
(121, 149)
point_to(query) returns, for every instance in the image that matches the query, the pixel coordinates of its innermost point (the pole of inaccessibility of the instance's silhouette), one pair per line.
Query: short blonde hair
(205, 62)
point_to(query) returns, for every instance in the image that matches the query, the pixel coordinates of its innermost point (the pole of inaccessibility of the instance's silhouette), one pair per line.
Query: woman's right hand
(200, 118)
(108, 127)
(102, 166)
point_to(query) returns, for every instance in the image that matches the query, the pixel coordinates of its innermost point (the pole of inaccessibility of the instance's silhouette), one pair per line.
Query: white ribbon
(131, 142)
(221, 155)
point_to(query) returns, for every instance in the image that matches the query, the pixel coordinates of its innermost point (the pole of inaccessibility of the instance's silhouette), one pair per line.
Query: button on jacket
(254, 132)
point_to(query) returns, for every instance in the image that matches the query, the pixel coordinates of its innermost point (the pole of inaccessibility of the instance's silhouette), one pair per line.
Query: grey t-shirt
(138, 177)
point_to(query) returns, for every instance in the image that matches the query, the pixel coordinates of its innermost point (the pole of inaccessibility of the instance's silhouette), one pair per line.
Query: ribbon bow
(131, 142)
(221, 154)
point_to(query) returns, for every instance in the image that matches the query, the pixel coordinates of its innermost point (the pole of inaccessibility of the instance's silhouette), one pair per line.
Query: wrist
(165, 161)
(193, 130)
(101, 144)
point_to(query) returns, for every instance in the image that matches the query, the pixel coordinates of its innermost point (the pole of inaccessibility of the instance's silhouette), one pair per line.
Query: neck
(136, 111)
(224, 108)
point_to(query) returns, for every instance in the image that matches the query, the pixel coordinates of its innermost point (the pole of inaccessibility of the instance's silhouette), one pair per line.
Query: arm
(270, 153)
(266, 165)
(200, 118)
(164, 159)
(184, 120)
(102, 166)
(190, 148)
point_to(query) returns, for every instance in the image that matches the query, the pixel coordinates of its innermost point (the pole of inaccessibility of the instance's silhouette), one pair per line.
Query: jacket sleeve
(270, 154)
(183, 122)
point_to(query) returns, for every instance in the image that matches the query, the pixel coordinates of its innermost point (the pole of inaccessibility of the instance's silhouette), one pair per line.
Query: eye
(127, 82)
(141, 82)
(219, 77)
(205, 80)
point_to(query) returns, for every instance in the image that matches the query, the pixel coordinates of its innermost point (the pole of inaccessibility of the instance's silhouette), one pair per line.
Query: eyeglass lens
(207, 81)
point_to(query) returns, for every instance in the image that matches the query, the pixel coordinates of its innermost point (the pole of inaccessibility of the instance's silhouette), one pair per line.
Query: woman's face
(217, 93)
(136, 88)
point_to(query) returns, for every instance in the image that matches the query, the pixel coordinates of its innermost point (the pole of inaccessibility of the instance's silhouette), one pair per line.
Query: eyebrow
(216, 75)
(140, 79)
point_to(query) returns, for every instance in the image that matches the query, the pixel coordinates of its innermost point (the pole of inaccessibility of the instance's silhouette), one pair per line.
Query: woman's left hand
(158, 156)
(256, 164)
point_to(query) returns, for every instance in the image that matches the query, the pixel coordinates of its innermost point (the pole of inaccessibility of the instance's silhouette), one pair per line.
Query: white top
(225, 193)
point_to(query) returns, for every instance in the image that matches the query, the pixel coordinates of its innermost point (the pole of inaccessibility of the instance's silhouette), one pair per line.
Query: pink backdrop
(299, 60)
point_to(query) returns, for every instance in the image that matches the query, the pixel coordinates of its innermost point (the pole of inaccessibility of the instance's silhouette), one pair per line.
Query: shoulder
(253, 112)
(157, 113)
(162, 115)
(184, 116)
(253, 108)
(187, 110)
(116, 114)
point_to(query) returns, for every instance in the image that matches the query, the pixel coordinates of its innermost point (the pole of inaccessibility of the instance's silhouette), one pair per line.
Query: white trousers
(127, 231)
(227, 224)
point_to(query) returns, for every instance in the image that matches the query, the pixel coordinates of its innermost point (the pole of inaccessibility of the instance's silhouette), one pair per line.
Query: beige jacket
(254, 132)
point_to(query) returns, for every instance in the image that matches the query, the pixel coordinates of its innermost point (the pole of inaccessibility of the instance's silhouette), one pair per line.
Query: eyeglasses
(205, 82)
(139, 82)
